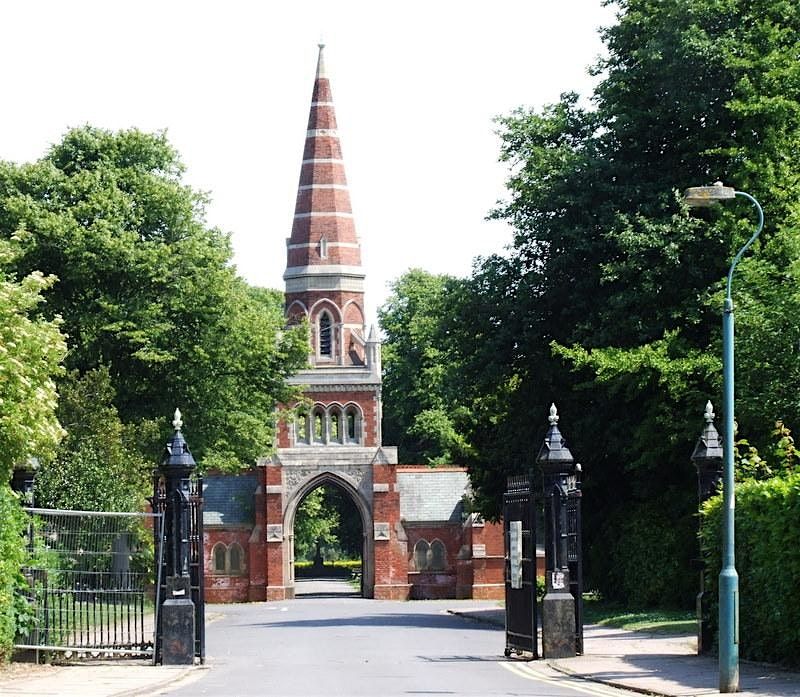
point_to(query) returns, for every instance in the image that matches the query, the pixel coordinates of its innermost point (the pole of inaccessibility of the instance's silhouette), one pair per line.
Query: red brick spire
(323, 255)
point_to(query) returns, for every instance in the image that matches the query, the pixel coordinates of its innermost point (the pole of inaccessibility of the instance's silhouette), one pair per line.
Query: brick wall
(225, 588)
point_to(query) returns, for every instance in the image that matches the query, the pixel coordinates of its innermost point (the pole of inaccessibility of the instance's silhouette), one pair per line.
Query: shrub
(12, 552)
(643, 561)
(768, 563)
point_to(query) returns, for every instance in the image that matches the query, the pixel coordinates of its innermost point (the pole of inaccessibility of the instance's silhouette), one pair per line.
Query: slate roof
(430, 495)
(228, 499)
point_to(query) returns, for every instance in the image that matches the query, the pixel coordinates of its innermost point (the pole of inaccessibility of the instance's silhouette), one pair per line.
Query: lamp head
(705, 196)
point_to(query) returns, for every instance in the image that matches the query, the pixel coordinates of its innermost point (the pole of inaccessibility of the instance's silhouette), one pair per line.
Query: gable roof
(228, 499)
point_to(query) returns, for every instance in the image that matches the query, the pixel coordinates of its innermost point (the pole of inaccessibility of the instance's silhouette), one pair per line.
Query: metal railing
(91, 579)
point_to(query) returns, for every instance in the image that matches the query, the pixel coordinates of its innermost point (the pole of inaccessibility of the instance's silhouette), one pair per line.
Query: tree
(31, 350)
(422, 414)
(96, 467)
(146, 290)
(608, 301)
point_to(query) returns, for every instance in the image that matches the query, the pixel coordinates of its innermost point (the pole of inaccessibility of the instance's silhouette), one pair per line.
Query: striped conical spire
(323, 232)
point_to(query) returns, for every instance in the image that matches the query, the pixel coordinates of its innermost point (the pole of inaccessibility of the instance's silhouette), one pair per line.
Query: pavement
(657, 664)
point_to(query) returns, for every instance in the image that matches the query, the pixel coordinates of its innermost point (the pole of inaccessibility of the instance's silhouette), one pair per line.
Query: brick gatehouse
(419, 542)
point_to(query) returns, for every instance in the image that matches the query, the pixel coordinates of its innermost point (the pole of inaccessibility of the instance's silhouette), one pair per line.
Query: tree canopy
(146, 290)
(608, 301)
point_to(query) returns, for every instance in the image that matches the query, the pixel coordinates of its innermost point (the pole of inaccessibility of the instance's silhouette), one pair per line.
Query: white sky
(416, 85)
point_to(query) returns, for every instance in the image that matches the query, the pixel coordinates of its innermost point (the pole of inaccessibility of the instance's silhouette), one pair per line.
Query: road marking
(524, 670)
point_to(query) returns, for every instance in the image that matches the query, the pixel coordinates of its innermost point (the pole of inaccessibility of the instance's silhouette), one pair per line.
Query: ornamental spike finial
(709, 413)
(177, 422)
(553, 415)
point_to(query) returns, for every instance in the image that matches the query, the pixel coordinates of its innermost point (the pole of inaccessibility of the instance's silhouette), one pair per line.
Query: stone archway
(362, 505)
(368, 475)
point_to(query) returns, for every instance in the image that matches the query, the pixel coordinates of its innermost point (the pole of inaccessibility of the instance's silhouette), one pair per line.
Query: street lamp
(703, 196)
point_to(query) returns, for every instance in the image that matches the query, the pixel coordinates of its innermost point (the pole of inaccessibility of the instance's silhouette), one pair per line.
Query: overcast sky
(416, 87)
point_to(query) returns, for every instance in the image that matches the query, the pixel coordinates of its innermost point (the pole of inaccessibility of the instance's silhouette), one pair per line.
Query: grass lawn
(613, 615)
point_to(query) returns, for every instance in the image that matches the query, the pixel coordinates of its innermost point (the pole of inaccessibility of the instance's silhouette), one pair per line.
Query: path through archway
(329, 552)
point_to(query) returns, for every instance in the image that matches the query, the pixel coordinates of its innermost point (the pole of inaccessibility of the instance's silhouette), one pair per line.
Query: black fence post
(562, 629)
(180, 606)
(707, 458)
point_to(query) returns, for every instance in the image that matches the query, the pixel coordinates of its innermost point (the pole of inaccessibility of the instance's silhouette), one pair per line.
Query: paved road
(349, 646)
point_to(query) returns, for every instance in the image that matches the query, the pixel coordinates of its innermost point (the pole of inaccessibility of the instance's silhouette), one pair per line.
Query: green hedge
(341, 568)
(768, 563)
(12, 551)
(642, 560)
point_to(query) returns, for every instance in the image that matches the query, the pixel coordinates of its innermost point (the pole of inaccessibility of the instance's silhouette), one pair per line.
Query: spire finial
(709, 413)
(177, 422)
(553, 415)
(321, 60)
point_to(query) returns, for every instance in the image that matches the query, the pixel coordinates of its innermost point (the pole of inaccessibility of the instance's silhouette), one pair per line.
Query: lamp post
(703, 196)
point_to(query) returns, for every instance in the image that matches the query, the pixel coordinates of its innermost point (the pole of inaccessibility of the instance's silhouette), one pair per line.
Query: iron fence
(91, 579)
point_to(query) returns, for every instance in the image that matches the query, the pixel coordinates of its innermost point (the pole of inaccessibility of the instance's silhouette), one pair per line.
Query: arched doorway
(360, 507)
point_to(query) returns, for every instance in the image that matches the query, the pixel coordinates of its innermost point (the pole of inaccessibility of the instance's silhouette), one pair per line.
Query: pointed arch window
(218, 558)
(438, 557)
(352, 425)
(301, 427)
(325, 335)
(336, 426)
(323, 248)
(235, 559)
(421, 551)
(319, 425)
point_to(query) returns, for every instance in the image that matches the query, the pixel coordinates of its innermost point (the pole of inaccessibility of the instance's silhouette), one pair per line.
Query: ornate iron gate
(519, 521)
(91, 579)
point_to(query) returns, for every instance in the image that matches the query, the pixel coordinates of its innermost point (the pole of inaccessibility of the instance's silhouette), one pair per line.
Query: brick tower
(335, 438)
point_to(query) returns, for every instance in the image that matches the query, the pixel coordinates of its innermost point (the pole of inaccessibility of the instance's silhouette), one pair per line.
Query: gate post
(707, 458)
(180, 612)
(561, 637)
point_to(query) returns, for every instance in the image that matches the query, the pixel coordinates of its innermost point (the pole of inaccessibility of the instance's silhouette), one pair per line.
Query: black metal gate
(195, 551)
(90, 578)
(519, 522)
(575, 560)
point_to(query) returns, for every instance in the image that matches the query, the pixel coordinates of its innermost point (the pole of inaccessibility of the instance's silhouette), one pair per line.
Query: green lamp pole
(701, 196)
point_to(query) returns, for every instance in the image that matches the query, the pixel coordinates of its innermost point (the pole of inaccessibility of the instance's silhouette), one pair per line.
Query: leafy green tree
(31, 350)
(147, 290)
(614, 293)
(422, 413)
(327, 518)
(96, 468)
(314, 525)
(608, 301)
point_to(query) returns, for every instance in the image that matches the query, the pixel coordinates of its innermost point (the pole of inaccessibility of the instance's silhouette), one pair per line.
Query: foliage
(608, 301)
(12, 552)
(147, 290)
(327, 522)
(31, 350)
(767, 559)
(97, 467)
(422, 414)
(314, 525)
(646, 563)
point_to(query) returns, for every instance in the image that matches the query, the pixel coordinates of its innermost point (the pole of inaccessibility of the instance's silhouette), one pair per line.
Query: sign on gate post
(515, 552)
